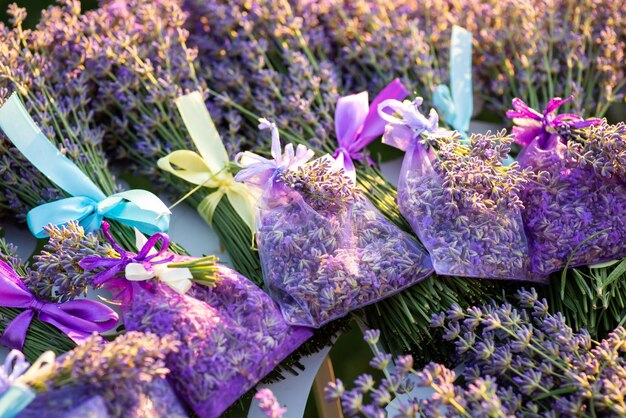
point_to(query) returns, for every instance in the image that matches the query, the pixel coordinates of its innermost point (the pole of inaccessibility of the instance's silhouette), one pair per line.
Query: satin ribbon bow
(406, 122)
(89, 205)
(456, 103)
(15, 394)
(147, 264)
(209, 167)
(258, 170)
(357, 122)
(77, 318)
(532, 124)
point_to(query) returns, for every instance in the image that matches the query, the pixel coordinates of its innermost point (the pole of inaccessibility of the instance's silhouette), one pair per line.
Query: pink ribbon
(357, 122)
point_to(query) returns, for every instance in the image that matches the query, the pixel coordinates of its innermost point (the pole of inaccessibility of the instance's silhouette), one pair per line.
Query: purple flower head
(268, 404)
(532, 124)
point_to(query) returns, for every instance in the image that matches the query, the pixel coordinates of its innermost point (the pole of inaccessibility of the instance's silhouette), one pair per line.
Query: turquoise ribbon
(456, 103)
(15, 400)
(89, 205)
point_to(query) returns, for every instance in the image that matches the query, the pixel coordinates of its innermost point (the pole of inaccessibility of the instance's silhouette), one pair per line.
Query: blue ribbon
(15, 400)
(456, 103)
(89, 205)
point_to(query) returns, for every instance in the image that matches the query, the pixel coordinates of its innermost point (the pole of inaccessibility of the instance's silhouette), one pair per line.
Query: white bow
(179, 279)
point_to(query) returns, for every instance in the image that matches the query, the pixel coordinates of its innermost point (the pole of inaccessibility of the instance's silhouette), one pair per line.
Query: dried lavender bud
(56, 274)
(465, 206)
(326, 250)
(517, 361)
(573, 210)
(218, 360)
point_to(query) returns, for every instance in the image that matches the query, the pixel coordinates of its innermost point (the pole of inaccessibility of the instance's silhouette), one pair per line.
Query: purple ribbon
(357, 122)
(532, 124)
(114, 268)
(78, 319)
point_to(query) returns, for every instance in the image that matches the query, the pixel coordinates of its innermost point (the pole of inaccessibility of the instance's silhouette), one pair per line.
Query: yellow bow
(209, 167)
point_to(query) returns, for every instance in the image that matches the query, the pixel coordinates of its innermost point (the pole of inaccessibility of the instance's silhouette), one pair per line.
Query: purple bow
(532, 124)
(114, 268)
(77, 318)
(357, 122)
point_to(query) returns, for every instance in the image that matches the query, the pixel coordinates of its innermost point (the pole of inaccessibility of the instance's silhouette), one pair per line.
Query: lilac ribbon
(357, 122)
(114, 268)
(77, 318)
(532, 124)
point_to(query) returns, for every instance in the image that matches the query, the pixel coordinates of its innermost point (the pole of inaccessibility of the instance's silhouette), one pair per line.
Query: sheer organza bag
(574, 211)
(458, 197)
(325, 250)
(230, 333)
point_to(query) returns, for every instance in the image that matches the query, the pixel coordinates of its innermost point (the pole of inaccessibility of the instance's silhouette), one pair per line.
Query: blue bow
(89, 205)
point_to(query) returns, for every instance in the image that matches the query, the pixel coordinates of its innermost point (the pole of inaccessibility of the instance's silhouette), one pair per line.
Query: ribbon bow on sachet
(406, 122)
(532, 124)
(258, 170)
(89, 205)
(209, 168)
(15, 374)
(357, 123)
(456, 103)
(145, 265)
(77, 318)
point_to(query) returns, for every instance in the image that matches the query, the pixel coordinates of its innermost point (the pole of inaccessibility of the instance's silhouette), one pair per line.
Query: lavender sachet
(460, 200)
(325, 250)
(230, 333)
(575, 209)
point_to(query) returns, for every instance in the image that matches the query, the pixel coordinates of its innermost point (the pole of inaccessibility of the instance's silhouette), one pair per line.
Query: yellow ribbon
(209, 167)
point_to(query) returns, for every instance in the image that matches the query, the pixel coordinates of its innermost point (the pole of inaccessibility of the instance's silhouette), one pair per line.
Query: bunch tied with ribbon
(77, 318)
(145, 265)
(209, 167)
(15, 376)
(87, 205)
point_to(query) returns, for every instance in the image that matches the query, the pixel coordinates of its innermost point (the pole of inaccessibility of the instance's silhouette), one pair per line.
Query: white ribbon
(179, 279)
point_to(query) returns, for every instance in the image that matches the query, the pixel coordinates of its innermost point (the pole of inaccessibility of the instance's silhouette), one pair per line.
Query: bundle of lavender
(122, 378)
(517, 360)
(40, 336)
(64, 165)
(230, 333)
(536, 50)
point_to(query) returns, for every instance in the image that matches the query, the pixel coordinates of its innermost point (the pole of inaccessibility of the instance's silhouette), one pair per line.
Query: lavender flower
(553, 371)
(325, 249)
(269, 405)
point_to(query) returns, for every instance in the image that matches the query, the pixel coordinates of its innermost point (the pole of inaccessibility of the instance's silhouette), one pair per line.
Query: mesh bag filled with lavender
(460, 200)
(574, 210)
(325, 250)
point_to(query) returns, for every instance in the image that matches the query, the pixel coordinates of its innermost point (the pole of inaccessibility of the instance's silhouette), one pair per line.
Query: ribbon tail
(461, 77)
(206, 208)
(15, 400)
(20, 128)
(243, 203)
(148, 221)
(201, 128)
(15, 333)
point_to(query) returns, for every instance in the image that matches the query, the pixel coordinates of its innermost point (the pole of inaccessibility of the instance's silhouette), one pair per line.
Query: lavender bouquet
(325, 249)
(231, 334)
(121, 378)
(517, 361)
(572, 211)
(461, 201)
